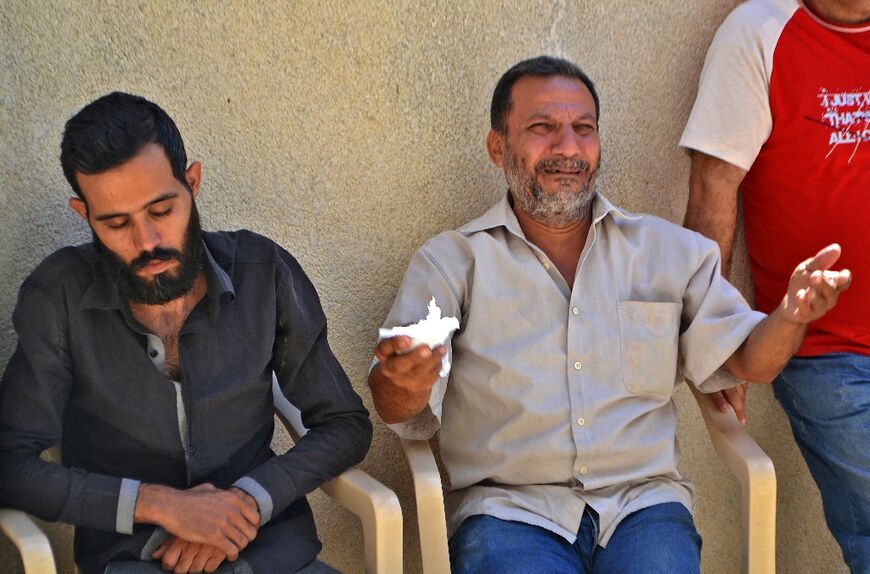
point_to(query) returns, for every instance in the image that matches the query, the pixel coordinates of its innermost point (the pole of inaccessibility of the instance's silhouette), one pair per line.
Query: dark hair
(111, 130)
(541, 66)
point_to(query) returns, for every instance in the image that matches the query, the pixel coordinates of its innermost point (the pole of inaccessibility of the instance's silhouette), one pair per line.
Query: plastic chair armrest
(31, 542)
(755, 473)
(380, 513)
(429, 495)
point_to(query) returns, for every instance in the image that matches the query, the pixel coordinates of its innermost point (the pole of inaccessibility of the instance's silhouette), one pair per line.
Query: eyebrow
(164, 197)
(546, 116)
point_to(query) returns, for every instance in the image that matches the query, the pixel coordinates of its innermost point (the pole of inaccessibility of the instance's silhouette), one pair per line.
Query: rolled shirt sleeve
(425, 278)
(716, 319)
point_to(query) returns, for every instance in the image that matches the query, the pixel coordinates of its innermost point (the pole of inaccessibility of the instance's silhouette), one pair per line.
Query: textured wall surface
(352, 131)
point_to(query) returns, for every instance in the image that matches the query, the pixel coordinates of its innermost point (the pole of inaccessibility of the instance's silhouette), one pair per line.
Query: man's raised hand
(813, 288)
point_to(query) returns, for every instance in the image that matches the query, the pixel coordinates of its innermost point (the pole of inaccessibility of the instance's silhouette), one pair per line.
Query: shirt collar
(104, 295)
(502, 215)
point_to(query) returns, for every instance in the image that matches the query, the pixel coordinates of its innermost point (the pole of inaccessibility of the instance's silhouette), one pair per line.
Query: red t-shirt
(809, 183)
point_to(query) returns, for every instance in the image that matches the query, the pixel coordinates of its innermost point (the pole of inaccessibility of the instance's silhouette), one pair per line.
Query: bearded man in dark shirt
(149, 354)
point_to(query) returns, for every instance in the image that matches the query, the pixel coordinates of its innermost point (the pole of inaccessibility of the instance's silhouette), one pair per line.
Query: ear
(495, 147)
(193, 176)
(79, 206)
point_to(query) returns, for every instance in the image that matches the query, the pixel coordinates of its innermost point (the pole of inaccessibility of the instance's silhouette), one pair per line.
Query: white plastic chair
(743, 457)
(376, 506)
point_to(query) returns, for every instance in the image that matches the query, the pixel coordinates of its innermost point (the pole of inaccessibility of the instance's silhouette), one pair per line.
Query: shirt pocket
(648, 344)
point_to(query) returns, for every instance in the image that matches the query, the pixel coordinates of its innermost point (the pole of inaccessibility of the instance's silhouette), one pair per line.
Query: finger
(719, 401)
(737, 399)
(229, 549)
(424, 369)
(214, 563)
(822, 295)
(411, 361)
(394, 345)
(252, 515)
(188, 553)
(236, 535)
(824, 259)
(202, 557)
(246, 528)
(206, 555)
(804, 298)
(157, 554)
(170, 558)
(839, 280)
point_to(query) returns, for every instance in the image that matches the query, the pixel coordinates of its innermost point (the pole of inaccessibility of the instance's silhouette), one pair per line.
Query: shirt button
(583, 470)
(154, 353)
(578, 365)
(546, 265)
(575, 311)
(581, 421)
(192, 450)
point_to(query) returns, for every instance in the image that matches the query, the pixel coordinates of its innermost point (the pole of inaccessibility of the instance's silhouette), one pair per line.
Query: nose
(145, 236)
(566, 142)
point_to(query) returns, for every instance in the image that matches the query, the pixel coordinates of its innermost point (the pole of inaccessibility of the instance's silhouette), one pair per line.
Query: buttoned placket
(157, 354)
(577, 392)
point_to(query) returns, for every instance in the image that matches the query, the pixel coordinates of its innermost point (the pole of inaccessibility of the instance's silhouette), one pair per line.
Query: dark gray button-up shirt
(83, 376)
(561, 397)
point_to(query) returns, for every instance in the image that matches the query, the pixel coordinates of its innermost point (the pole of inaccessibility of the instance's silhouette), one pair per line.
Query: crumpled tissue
(432, 331)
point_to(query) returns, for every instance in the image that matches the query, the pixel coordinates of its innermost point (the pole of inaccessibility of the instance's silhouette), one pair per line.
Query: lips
(562, 167)
(156, 266)
(562, 172)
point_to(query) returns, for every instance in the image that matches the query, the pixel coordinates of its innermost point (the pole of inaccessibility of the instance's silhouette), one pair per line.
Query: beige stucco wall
(352, 131)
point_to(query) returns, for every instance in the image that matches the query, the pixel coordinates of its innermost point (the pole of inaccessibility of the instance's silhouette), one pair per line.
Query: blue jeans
(659, 539)
(827, 400)
(237, 567)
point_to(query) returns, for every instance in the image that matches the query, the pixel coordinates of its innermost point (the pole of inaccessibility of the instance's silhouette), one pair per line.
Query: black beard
(165, 286)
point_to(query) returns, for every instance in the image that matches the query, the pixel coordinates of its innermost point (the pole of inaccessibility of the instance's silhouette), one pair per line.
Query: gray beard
(558, 209)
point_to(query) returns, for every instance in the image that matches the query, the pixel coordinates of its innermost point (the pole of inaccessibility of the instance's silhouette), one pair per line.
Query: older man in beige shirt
(556, 423)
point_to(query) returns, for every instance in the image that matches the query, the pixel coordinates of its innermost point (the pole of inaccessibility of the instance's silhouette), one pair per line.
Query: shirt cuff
(126, 505)
(421, 426)
(259, 494)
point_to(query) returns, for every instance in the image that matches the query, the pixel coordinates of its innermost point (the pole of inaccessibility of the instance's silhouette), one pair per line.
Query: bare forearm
(393, 403)
(712, 206)
(767, 349)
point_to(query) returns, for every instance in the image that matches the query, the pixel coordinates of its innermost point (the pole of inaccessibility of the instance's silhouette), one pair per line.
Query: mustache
(562, 164)
(159, 254)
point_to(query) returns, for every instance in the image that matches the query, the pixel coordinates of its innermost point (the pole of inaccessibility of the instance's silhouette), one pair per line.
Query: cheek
(592, 147)
(118, 243)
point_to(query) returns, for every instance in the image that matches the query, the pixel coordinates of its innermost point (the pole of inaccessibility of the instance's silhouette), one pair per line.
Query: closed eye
(117, 224)
(540, 127)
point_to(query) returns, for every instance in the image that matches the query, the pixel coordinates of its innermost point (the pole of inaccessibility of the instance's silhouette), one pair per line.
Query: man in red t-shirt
(783, 113)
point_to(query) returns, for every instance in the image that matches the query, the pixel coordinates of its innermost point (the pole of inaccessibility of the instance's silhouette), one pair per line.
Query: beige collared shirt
(559, 398)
